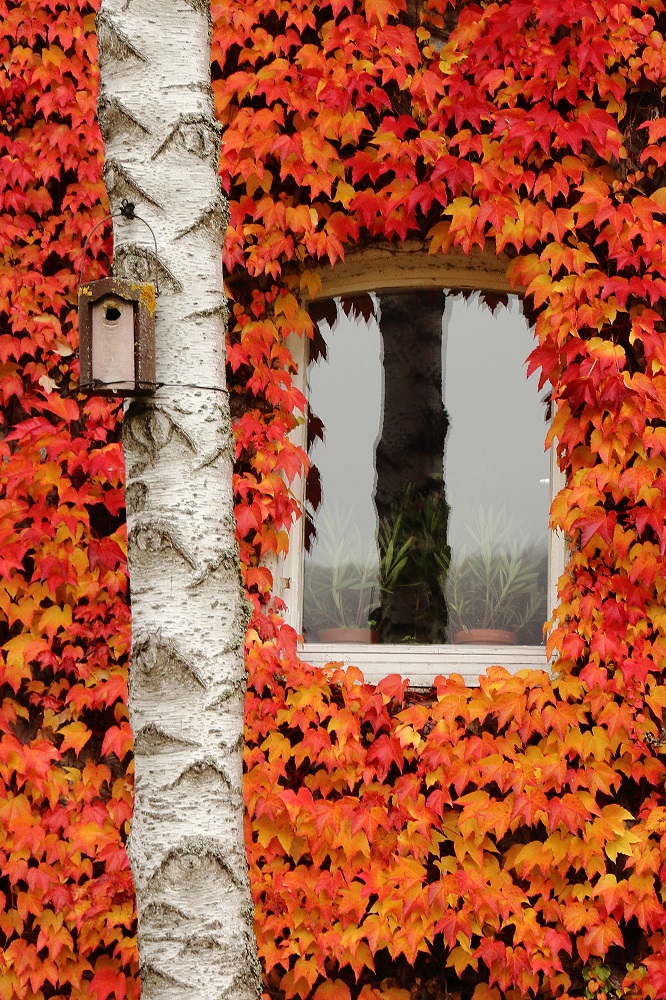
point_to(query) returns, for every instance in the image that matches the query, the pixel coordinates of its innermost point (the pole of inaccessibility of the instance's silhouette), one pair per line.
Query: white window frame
(387, 269)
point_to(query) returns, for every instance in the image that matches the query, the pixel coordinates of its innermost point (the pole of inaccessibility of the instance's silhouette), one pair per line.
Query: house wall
(480, 131)
(482, 841)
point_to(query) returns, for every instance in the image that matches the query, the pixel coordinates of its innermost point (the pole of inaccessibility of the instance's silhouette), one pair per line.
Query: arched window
(427, 549)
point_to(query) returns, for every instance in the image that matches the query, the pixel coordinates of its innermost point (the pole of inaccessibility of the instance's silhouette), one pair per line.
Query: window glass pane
(434, 482)
(341, 586)
(496, 473)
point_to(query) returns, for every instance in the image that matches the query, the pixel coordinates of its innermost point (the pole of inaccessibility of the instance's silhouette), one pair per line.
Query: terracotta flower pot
(486, 636)
(362, 635)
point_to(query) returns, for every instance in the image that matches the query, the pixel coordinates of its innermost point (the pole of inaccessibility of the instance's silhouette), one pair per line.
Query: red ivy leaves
(513, 834)
(66, 892)
(523, 126)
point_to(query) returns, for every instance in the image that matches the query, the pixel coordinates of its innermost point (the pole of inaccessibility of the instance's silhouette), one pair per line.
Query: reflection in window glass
(433, 517)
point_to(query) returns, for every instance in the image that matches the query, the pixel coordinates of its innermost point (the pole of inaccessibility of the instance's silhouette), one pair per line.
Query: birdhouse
(117, 337)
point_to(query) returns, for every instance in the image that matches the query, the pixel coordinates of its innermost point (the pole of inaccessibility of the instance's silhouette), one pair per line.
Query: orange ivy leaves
(266, 403)
(308, 109)
(540, 127)
(491, 831)
(66, 898)
(516, 832)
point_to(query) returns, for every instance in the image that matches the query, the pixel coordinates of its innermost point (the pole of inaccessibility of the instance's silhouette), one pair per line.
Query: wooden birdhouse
(117, 337)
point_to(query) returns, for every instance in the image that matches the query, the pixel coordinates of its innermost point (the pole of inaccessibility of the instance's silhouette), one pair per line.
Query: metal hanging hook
(126, 212)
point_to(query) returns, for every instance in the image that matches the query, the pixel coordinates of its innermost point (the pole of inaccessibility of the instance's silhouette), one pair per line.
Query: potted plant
(414, 556)
(342, 594)
(495, 588)
(342, 587)
(390, 590)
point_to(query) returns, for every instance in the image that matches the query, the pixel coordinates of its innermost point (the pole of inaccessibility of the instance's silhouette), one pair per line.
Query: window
(429, 550)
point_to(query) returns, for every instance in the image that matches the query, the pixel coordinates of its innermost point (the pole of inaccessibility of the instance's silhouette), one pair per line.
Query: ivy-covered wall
(66, 896)
(492, 842)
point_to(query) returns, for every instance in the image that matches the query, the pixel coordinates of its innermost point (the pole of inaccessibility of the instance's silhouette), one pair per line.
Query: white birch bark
(188, 618)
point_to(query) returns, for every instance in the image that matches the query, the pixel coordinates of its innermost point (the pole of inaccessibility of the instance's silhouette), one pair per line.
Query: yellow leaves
(344, 193)
(301, 219)
(464, 214)
(20, 650)
(614, 816)
(488, 769)
(460, 958)
(332, 989)
(290, 316)
(301, 978)
(256, 183)
(606, 350)
(521, 228)
(480, 815)
(524, 268)
(55, 618)
(617, 817)
(610, 892)
(656, 698)
(524, 858)
(310, 282)
(352, 123)
(9, 981)
(656, 615)
(277, 747)
(76, 735)
(25, 604)
(385, 992)
(53, 56)
(52, 934)
(568, 258)
(577, 915)
(541, 288)
(659, 198)
(594, 744)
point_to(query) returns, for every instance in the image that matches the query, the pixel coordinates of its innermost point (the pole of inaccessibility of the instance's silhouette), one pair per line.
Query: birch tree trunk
(187, 677)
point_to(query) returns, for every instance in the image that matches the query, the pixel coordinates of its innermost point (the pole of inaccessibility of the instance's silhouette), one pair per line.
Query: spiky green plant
(342, 589)
(414, 554)
(497, 580)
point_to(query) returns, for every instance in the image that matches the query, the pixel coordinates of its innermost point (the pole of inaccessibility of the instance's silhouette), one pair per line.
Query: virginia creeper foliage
(66, 926)
(507, 840)
(500, 841)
